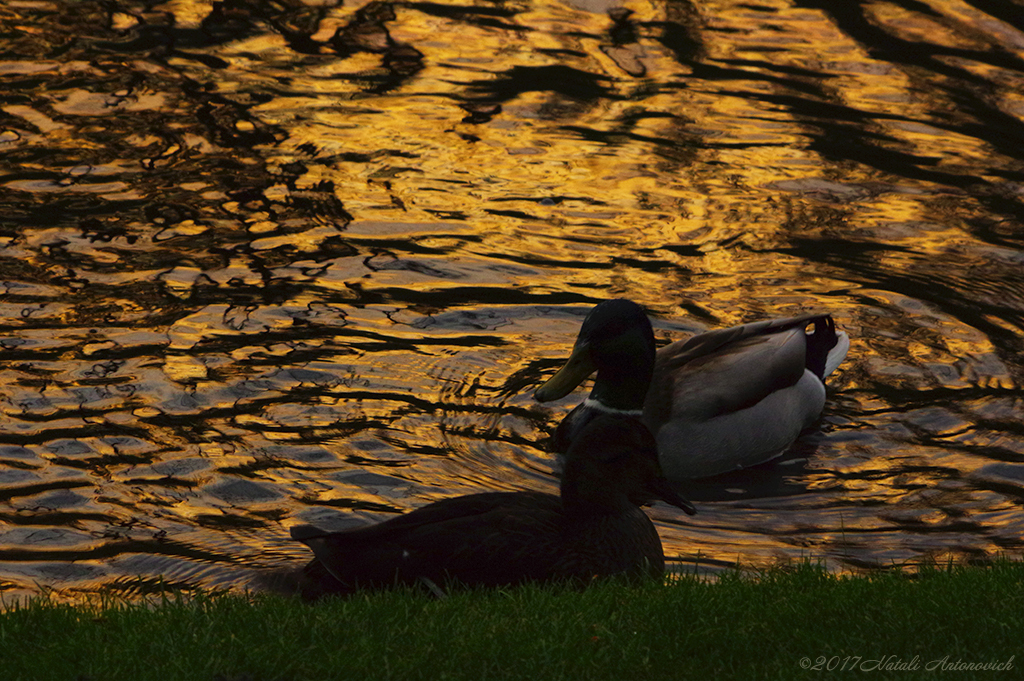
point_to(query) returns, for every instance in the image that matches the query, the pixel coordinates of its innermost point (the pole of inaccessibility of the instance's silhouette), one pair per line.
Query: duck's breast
(619, 544)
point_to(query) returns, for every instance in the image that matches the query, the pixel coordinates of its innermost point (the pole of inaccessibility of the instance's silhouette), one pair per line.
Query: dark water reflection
(269, 262)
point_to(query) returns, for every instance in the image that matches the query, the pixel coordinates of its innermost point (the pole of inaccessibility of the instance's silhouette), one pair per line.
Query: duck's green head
(614, 461)
(616, 341)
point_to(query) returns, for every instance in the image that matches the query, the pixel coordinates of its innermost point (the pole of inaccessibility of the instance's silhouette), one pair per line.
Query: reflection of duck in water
(499, 538)
(717, 402)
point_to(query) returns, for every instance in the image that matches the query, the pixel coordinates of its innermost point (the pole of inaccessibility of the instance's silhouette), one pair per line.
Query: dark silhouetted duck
(500, 538)
(720, 401)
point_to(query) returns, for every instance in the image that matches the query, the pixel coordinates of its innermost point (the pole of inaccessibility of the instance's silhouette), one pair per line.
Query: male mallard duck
(720, 401)
(497, 538)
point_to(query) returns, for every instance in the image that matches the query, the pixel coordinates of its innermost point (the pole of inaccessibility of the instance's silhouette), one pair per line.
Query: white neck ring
(591, 403)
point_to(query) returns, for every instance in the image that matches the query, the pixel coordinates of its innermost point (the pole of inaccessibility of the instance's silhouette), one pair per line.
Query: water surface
(274, 262)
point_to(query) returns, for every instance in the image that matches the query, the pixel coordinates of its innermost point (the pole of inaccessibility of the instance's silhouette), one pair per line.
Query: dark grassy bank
(782, 624)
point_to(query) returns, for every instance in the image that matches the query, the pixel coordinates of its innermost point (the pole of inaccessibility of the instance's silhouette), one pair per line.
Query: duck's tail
(826, 346)
(316, 579)
(305, 533)
(838, 352)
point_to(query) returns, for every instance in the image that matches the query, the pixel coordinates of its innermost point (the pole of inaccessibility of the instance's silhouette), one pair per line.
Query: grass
(740, 627)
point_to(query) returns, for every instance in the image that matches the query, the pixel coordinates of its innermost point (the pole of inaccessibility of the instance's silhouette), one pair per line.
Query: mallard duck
(593, 529)
(720, 401)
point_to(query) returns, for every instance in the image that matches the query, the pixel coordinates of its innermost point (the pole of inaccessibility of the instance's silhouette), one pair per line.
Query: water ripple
(273, 263)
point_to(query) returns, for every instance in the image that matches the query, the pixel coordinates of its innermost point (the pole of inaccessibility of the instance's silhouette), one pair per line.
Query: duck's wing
(542, 545)
(727, 370)
(507, 545)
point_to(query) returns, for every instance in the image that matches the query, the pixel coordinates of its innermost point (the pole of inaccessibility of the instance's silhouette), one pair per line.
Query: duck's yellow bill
(575, 371)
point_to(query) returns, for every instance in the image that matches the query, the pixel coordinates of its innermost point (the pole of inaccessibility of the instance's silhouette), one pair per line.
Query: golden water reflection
(283, 262)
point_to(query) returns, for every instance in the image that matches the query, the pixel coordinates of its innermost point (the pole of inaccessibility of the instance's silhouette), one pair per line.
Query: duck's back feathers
(731, 369)
(819, 331)
(737, 397)
(484, 539)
